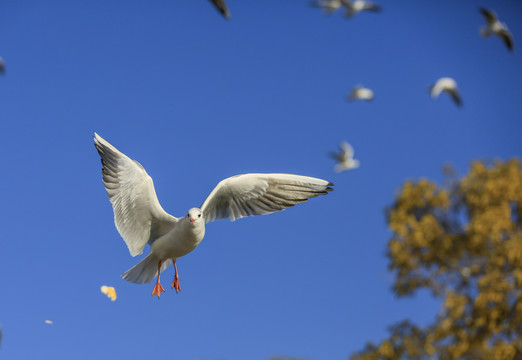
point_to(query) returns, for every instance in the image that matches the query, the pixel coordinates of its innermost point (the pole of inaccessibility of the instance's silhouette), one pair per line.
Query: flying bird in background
(448, 85)
(141, 220)
(360, 93)
(495, 27)
(329, 6)
(344, 158)
(353, 7)
(222, 7)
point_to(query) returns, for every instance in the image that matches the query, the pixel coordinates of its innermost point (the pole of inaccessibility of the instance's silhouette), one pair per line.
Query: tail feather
(146, 270)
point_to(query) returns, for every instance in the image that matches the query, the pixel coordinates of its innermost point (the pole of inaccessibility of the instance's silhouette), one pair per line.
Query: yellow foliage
(386, 349)
(465, 244)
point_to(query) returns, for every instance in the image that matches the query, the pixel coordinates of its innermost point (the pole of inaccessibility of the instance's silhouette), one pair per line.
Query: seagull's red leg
(175, 283)
(158, 289)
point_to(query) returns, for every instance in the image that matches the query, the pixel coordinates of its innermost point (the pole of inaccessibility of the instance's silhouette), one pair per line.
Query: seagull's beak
(192, 221)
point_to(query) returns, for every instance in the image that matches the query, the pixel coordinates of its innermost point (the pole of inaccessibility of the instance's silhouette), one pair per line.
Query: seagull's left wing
(259, 194)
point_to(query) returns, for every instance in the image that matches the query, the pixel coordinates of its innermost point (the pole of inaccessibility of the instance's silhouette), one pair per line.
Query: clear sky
(195, 99)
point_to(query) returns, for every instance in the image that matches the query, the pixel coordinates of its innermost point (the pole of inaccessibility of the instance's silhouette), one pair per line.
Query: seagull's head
(194, 216)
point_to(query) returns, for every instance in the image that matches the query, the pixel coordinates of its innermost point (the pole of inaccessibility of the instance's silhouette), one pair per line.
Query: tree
(462, 241)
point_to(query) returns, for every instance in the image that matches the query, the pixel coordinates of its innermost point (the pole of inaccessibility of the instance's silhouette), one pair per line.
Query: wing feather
(489, 15)
(259, 194)
(138, 214)
(221, 6)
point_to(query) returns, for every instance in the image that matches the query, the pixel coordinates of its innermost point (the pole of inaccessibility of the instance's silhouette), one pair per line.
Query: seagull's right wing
(138, 214)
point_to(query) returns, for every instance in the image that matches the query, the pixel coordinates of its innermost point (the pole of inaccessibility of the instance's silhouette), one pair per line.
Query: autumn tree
(463, 241)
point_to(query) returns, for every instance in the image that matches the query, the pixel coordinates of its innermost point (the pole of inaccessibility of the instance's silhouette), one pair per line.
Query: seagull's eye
(199, 215)
(188, 215)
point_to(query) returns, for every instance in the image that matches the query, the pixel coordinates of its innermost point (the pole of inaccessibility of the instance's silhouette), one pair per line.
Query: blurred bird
(448, 85)
(109, 291)
(360, 93)
(345, 160)
(2, 66)
(222, 7)
(329, 6)
(48, 322)
(495, 27)
(356, 6)
(141, 220)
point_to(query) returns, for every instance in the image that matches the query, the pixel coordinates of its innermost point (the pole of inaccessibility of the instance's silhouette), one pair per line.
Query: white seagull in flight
(360, 93)
(141, 220)
(495, 27)
(353, 7)
(345, 160)
(448, 85)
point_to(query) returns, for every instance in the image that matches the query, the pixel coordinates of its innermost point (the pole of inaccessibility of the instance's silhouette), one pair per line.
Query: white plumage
(344, 158)
(495, 27)
(141, 220)
(360, 93)
(448, 85)
(353, 7)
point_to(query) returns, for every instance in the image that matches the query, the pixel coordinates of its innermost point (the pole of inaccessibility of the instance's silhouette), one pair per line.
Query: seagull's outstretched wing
(260, 194)
(454, 93)
(489, 15)
(507, 38)
(222, 7)
(347, 149)
(372, 7)
(138, 214)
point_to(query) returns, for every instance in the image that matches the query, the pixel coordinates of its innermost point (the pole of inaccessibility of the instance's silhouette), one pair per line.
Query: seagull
(141, 220)
(356, 6)
(360, 93)
(329, 6)
(448, 85)
(222, 7)
(2, 66)
(345, 160)
(495, 27)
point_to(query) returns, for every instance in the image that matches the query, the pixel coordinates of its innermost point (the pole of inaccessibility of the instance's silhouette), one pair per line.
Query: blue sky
(195, 99)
